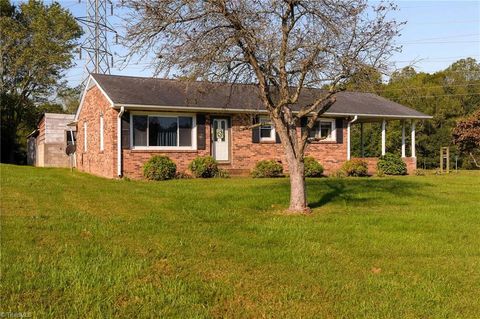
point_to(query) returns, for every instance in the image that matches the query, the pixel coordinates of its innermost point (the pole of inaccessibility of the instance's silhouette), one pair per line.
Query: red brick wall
(133, 160)
(243, 153)
(94, 161)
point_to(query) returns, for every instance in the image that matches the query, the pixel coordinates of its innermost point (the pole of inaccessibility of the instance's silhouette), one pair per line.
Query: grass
(75, 245)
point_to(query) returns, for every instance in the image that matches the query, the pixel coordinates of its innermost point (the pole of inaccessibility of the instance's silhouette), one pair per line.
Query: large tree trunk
(298, 192)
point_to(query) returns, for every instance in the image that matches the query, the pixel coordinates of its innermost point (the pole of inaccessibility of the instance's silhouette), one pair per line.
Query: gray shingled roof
(149, 92)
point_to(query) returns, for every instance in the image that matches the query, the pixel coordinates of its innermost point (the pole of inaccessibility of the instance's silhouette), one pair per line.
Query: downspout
(74, 153)
(119, 141)
(348, 136)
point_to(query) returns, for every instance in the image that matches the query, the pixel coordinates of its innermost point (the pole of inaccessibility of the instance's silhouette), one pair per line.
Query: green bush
(222, 174)
(419, 172)
(380, 173)
(312, 167)
(267, 168)
(391, 164)
(204, 167)
(183, 175)
(159, 168)
(355, 167)
(338, 174)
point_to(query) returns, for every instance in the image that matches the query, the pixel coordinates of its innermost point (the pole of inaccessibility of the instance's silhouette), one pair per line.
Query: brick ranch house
(123, 121)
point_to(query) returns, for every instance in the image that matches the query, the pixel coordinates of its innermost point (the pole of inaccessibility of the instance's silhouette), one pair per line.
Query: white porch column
(403, 138)
(348, 140)
(413, 139)
(361, 140)
(384, 136)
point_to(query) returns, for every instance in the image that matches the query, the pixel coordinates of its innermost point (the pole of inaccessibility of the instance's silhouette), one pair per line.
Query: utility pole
(99, 58)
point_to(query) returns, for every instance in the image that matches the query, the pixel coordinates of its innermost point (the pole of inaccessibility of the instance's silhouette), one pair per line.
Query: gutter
(354, 119)
(232, 110)
(119, 141)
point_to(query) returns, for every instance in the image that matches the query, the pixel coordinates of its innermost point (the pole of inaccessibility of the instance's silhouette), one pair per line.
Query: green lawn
(74, 245)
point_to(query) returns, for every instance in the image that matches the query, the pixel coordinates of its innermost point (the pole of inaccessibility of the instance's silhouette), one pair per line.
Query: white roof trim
(90, 83)
(382, 115)
(220, 110)
(186, 108)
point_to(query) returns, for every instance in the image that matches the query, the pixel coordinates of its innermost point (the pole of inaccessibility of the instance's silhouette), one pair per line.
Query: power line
(429, 87)
(418, 69)
(446, 22)
(434, 96)
(449, 37)
(438, 42)
(433, 4)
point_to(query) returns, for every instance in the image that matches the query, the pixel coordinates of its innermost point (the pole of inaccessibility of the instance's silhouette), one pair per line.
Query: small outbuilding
(47, 144)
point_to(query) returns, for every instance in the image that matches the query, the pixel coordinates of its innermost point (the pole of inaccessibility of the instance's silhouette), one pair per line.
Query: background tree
(69, 98)
(36, 42)
(466, 135)
(447, 95)
(281, 46)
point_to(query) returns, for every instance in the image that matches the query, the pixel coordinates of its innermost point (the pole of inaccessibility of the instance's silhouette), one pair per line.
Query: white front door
(221, 139)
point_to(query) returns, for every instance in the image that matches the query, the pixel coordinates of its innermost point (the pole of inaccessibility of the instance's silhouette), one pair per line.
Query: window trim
(273, 135)
(333, 134)
(165, 148)
(102, 128)
(85, 140)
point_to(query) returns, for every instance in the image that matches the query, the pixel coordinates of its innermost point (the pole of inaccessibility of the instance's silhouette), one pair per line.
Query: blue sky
(437, 33)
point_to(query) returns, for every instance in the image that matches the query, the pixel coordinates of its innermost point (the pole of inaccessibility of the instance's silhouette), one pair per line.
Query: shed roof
(197, 95)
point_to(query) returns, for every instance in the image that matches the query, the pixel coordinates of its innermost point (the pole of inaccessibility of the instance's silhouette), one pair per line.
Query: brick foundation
(411, 164)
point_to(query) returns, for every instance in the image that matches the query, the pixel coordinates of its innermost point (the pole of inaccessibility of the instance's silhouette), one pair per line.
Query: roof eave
(229, 110)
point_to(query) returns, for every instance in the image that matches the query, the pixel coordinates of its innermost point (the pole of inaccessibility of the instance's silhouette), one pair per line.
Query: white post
(348, 140)
(119, 146)
(384, 124)
(413, 139)
(403, 138)
(361, 140)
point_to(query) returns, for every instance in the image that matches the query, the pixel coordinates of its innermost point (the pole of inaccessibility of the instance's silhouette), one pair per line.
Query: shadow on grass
(363, 190)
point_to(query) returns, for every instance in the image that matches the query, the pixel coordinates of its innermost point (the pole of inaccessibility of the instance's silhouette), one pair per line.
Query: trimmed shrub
(204, 167)
(391, 164)
(355, 167)
(312, 167)
(267, 168)
(159, 168)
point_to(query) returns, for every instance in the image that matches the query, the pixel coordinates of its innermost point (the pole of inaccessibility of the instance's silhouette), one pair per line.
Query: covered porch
(380, 125)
